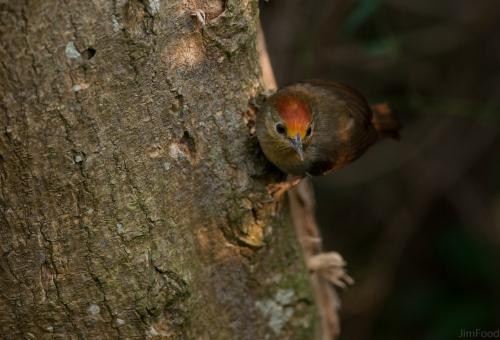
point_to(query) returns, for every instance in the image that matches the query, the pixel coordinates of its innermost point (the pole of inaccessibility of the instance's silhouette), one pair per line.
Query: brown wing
(353, 97)
(345, 130)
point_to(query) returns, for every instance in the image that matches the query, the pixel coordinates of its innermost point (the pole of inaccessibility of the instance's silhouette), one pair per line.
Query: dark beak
(297, 145)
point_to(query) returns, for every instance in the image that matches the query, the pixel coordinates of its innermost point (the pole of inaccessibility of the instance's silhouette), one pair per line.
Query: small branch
(329, 267)
(265, 62)
(303, 216)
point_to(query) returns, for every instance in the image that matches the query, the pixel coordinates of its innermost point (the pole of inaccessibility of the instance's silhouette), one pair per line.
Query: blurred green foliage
(418, 221)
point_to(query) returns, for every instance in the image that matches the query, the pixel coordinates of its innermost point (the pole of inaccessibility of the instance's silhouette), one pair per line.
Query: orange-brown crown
(296, 115)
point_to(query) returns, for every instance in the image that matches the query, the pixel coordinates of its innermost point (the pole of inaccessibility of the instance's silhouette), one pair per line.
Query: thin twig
(301, 200)
(303, 215)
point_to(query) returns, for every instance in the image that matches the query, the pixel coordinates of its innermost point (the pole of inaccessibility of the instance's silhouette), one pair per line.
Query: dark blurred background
(417, 220)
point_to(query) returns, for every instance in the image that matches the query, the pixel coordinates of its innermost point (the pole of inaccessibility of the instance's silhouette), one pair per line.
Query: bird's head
(289, 122)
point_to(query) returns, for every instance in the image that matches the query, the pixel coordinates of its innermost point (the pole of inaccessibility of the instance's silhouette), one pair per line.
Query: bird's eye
(308, 132)
(280, 128)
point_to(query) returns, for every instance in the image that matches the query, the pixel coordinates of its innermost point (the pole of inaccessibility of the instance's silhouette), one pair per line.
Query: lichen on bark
(133, 199)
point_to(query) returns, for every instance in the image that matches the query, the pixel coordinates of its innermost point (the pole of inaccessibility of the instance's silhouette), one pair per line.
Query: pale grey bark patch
(71, 51)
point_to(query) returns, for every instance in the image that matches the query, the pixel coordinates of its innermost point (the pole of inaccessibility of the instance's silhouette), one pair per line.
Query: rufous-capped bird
(318, 126)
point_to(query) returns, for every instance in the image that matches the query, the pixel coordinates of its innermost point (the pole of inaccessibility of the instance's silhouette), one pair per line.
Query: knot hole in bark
(88, 53)
(189, 142)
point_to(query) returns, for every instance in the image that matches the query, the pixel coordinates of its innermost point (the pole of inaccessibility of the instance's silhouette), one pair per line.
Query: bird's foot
(277, 190)
(330, 266)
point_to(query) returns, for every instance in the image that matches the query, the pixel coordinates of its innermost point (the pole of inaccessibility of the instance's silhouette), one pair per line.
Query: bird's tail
(385, 122)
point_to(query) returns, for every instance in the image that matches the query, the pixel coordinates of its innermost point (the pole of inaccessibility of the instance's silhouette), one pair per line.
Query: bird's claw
(277, 190)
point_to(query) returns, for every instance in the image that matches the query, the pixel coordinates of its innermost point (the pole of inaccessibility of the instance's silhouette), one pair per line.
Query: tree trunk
(133, 197)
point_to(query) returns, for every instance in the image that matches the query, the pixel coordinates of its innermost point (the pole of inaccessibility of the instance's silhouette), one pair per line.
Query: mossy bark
(133, 198)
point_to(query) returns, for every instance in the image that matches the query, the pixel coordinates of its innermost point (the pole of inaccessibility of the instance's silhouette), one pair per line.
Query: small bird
(317, 126)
